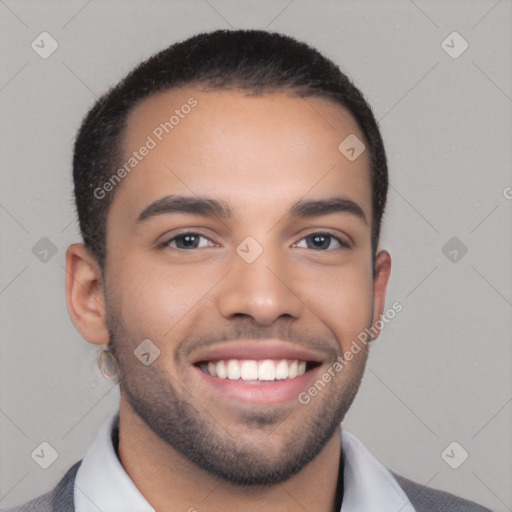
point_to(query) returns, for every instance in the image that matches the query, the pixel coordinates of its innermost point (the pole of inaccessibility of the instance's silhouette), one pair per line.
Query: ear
(84, 294)
(380, 283)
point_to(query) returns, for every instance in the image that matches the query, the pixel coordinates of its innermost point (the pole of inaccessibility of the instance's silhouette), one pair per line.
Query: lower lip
(268, 393)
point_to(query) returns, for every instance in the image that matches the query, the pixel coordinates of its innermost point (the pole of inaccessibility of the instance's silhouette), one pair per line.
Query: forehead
(248, 148)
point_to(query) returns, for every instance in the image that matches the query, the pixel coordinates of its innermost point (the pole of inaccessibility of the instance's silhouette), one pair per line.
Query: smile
(256, 370)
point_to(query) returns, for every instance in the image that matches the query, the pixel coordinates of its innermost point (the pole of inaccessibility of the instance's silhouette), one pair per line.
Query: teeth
(221, 370)
(212, 369)
(251, 370)
(233, 369)
(266, 370)
(292, 372)
(282, 370)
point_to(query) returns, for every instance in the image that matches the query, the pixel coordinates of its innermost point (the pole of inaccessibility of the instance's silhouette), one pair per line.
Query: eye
(316, 241)
(187, 241)
(323, 241)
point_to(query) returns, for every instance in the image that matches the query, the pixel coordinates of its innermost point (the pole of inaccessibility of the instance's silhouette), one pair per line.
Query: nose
(262, 290)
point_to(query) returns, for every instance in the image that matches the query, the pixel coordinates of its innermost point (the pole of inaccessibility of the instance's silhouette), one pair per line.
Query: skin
(260, 154)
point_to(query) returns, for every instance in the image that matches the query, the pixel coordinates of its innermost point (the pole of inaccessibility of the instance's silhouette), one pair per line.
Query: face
(240, 246)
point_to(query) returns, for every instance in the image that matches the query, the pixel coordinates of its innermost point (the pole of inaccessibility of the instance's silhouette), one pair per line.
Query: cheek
(343, 301)
(154, 298)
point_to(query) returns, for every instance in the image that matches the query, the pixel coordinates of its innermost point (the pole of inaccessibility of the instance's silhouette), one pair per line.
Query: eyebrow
(207, 207)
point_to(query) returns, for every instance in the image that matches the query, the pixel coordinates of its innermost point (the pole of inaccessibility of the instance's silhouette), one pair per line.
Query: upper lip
(268, 349)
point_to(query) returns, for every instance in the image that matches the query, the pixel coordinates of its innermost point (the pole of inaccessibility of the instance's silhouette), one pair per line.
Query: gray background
(441, 372)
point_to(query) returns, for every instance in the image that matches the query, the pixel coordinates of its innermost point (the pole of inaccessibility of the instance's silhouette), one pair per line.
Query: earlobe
(380, 283)
(84, 294)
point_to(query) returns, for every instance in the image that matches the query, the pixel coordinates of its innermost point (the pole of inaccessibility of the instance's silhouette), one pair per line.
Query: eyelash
(343, 244)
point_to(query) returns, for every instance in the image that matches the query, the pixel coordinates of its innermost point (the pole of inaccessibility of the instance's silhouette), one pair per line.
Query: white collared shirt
(102, 484)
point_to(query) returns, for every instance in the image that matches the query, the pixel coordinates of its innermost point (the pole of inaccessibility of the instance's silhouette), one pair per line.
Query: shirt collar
(102, 483)
(367, 484)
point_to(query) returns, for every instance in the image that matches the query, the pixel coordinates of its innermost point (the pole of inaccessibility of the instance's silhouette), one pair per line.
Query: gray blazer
(423, 499)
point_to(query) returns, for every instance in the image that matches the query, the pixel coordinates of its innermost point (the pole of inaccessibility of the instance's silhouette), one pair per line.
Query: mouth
(263, 373)
(253, 371)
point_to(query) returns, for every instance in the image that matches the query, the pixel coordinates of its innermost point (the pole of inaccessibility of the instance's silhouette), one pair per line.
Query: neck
(169, 481)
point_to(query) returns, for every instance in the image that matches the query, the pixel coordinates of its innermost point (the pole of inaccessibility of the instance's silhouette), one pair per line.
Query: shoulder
(59, 499)
(426, 499)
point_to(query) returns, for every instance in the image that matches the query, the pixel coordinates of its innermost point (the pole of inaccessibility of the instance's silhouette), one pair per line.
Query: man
(230, 192)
